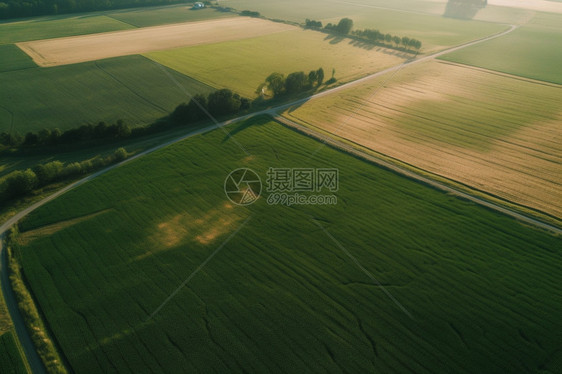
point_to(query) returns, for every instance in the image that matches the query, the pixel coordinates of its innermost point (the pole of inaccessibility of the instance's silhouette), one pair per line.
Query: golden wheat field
(497, 133)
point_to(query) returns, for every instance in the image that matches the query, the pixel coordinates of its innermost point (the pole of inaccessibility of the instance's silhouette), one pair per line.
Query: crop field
(10, 358)
(13, 58)
(280, 295)
(250, 61)
(531, 51)
(144, 17)
(71, 50)
(57, 27)
(435, 31)
(496, 133)
(131, 88)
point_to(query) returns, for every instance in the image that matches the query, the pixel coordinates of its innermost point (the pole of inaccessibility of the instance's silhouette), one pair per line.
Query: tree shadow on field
(257, 121)
(463, 9)
(334, 39)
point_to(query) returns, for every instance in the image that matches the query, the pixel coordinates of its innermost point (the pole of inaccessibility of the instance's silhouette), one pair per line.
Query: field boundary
(92, 47)
(419, 175)
(22, 336)
(500, 73)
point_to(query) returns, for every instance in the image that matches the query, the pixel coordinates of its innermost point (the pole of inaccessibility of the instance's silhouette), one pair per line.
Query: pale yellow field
(496, 133)
(75, 49)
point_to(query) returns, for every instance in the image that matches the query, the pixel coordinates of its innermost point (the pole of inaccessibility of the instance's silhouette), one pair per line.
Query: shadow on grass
(463, 9)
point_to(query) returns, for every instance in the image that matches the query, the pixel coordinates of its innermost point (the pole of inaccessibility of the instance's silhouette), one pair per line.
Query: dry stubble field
(494, 132)
(75, 49)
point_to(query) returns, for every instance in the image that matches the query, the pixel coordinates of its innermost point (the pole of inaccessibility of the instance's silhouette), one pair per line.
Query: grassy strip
(44, 344)
(11, 360)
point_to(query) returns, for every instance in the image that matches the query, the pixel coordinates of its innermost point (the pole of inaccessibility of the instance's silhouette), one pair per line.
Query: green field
(143, 17)
(250, 61)
(409, 19)
(11, 361)
(532, 51)
(281, 296)
(13, 58)
(90, 23)
(56, 27)
(131, 88)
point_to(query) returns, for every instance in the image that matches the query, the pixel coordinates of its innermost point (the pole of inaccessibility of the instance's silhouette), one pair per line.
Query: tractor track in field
(22, 334)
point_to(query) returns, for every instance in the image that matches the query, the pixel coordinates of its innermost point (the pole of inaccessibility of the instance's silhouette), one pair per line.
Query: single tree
(344, 26)
(320, 76)
(405, 41)
(296, 82)
(312, 77)
(275, 83)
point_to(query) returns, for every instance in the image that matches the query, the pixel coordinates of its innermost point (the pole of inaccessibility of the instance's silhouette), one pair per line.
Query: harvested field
(494, 132)
(71, 50)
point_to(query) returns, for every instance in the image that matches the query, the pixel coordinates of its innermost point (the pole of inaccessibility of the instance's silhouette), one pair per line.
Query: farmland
(435, 31)
(281, 296)
(10, 358)
(145, 17)
(496, 133)
(532, 51)
(12, 58)
(71, 50)
(131, 88)
(252, 60)
(57, 27)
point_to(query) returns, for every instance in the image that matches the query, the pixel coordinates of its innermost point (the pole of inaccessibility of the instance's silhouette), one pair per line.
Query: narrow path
(22, 334)
(35, 363)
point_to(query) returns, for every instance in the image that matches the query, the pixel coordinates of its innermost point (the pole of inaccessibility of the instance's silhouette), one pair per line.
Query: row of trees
(345, 25)
(21, 183)
(218, 103)
(375, 36)
(293, 83)
(28, 8)
(250, 13)
(47, 137)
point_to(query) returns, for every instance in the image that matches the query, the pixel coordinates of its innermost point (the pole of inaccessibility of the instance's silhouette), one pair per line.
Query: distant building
(198, 5)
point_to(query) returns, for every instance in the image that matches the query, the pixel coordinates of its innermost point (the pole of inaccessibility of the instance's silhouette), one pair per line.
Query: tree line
(277, 84)
(30, 8)
(20, 183)
(375, 36)
(345, 26)
(218, 103)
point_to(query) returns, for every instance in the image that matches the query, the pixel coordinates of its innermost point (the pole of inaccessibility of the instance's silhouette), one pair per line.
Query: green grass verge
(13, 58)
(281, 295)
(56, 27)
(43, 343)
(143, 17)
(532, 51)
(131, 88)
(11, 360)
